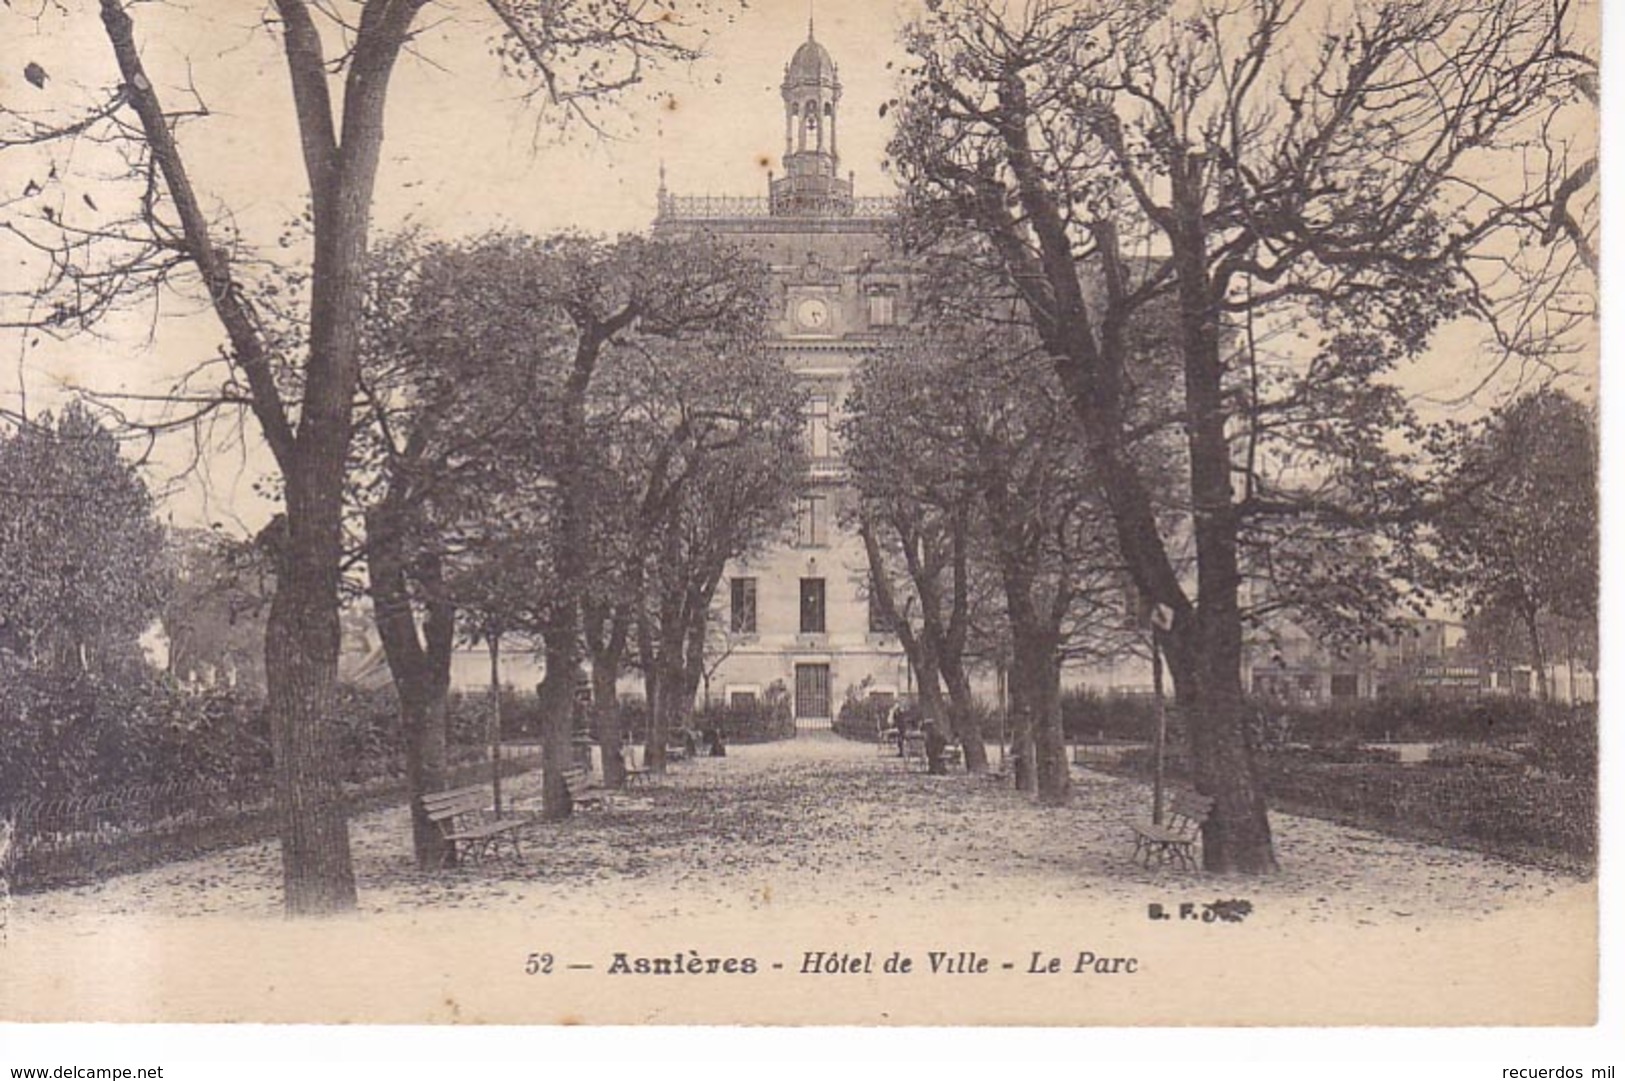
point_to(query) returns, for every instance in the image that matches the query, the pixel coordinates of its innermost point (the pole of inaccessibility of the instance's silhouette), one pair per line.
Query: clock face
(813, 314)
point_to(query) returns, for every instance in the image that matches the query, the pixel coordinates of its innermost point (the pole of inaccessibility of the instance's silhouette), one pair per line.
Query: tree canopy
(1303, 195)
(81, 552)
(1517, 546)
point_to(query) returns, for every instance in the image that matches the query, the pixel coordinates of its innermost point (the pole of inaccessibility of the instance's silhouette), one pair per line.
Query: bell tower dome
(812, 185)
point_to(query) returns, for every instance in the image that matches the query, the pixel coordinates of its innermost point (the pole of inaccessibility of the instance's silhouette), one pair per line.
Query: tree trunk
(606, 708)
(423, 721)
(694, 647)
(654, 757)
(562, 628)
(1024, 765)
(1537, 652)
(962, 712)
(558, 717)
(419, 667)
(928, 682)
(1207, 686)
(1037, 674)
(605, 631)
(670, 681)
(302, 631)
(1236, 836)
(301, 662)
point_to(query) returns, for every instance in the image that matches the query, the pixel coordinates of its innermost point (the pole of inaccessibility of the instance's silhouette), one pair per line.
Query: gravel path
(824, 822)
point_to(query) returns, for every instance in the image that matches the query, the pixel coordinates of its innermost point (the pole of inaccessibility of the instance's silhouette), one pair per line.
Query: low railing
(715, 207)
(63, 839)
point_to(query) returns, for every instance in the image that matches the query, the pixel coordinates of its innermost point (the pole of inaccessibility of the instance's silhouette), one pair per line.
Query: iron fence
(717, 207)
(59, 840)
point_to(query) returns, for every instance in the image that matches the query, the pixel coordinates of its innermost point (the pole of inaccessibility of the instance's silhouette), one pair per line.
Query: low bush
(1404, 718)
(69, 734)
(1459, 798)
(761, 720)
(1337, 754)
(1447, 755)
(1565, 743)
(863, 718)
(1088, 715)
(471, 714)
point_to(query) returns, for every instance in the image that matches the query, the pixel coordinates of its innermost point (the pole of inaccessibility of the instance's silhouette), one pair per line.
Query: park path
(826, 823)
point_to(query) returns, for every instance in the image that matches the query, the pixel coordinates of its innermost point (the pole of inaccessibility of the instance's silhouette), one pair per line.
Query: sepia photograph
(944, 513)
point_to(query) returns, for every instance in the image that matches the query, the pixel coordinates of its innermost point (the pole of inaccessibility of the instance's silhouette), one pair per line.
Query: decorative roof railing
(876, 206)
(711, 207)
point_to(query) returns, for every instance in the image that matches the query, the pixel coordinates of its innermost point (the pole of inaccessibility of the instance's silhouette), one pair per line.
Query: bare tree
(441, 464)
(1358, 179)
(966, 444)
(301, 393)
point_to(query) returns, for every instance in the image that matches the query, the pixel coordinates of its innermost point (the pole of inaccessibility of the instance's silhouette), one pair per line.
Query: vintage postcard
(1045, 513)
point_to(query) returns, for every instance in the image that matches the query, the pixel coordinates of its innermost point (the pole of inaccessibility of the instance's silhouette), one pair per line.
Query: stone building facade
(798, 615)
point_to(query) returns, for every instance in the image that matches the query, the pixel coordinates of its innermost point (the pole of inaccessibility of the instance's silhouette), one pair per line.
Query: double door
(812, 696)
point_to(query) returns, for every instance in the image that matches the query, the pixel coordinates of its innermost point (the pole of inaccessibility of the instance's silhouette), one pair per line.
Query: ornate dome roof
(811, 63)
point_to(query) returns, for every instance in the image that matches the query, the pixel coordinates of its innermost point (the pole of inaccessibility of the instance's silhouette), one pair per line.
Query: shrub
(71, 733)
(634, 718)
(65, 734)
(1336, 754)
(1461, 800)
(1565, 742)
(1474, 755)
(1411, 717)
(863, 718)
(471, 715)
(760, 721)
(1089, 715)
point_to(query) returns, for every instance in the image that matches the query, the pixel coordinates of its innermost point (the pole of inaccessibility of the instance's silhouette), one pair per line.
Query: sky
(464, 152)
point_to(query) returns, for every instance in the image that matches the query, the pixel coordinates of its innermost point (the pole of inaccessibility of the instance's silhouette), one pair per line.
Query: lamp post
(908, 660)
(1162, 619)
(493, 644)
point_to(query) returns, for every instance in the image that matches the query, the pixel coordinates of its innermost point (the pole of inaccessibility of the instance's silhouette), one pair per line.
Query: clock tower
(797, 614)
(812, 96)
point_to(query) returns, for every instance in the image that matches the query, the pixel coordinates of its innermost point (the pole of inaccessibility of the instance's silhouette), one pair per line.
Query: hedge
(72, 734)
(863, 718)
(1490, 802)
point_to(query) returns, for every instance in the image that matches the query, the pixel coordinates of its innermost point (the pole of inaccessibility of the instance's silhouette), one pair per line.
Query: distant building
(800, 615)
(1427, 656)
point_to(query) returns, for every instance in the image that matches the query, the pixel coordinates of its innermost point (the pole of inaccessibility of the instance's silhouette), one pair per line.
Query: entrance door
(812, 696)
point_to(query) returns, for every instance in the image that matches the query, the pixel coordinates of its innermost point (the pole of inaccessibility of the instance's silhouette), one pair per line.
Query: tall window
(818, 427)
(812, 606)
(743, 606)
(882, 308)
(812, 521)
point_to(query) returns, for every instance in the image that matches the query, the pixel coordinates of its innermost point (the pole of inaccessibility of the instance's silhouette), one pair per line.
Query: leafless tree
(159, 234)
(1357, 173)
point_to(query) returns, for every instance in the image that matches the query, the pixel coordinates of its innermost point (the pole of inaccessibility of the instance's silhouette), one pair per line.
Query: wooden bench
(1175, 839)
(584, 790)
(635, 774)
(465, 820)
(953, 756)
